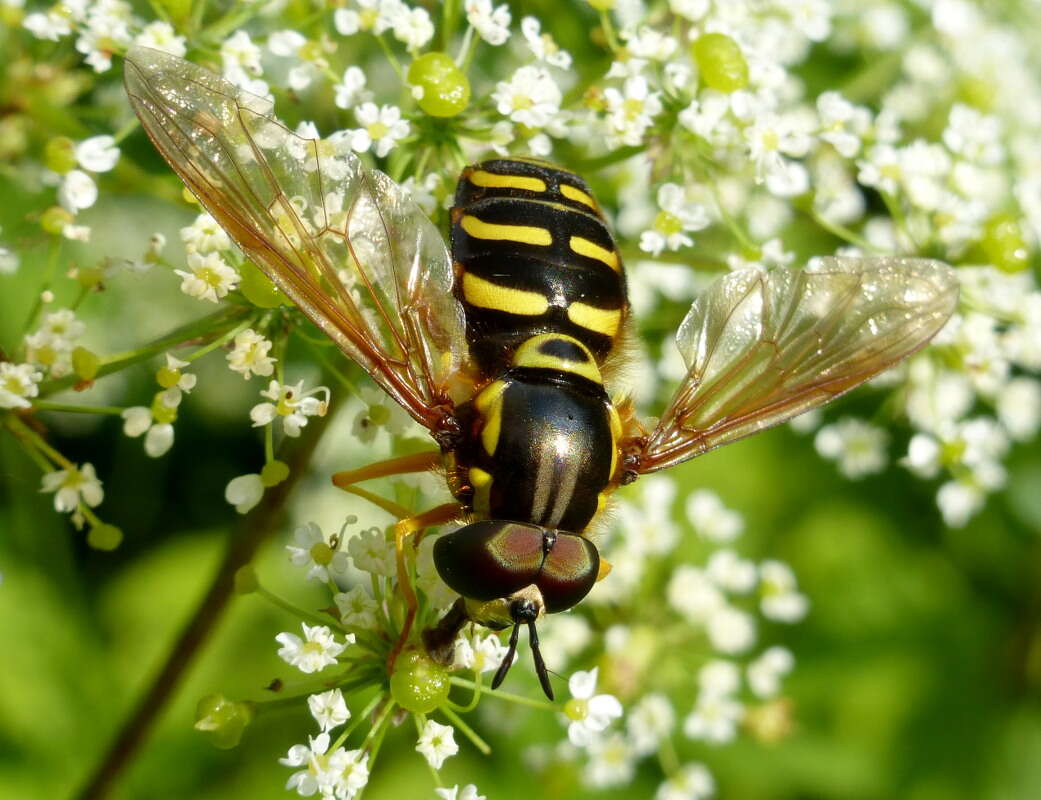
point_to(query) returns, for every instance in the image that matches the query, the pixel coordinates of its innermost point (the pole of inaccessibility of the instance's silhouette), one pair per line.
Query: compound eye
(490, 559)
(569, 571)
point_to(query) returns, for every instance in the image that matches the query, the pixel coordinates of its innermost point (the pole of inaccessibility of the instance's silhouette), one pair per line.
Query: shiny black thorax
(553, 453)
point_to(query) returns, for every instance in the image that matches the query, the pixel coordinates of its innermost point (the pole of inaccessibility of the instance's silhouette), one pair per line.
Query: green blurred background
(918, 668)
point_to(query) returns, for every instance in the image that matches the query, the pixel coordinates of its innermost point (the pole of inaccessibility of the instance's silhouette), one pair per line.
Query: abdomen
(533, 256)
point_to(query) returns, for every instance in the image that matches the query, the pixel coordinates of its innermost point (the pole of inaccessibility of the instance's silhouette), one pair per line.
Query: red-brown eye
(569, 571)
(490, 559)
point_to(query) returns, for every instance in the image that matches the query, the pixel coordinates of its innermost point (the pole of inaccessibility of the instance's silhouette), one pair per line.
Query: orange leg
(406, 525)
(403, 528)
(417, 462)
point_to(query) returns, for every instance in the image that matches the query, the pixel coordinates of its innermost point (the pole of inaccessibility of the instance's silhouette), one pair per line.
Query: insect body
(499, 350)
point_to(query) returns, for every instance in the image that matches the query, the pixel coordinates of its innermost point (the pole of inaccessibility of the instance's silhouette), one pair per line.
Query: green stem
(115, 363)
(221, 340)
(32, 438)
(358, 720)
(474, 700)
(48, 277)
(47, 405)
(512, 698)
(37, 457)
(285, 605)
(391, 57)
(609, 34)
(614, 157)
(468, 732)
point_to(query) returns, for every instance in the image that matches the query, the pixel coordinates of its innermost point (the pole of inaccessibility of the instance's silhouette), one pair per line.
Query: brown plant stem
(253, 530)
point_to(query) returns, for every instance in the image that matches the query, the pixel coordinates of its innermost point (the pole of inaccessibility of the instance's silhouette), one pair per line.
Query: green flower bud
(720, 61)
(85, 363)
(54, 220)
(1004, 245)
(258, 288)
(273, 473)
(224, 719)
(602, 5)
(104, 537)
(246, 580)
(59, 154)
(162, 413)
(418, 684)
(445, 88)
(89, 277)
(167, 377)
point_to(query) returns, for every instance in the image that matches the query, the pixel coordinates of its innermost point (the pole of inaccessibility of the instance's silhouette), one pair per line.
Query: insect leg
(416, 462)
(404, 528)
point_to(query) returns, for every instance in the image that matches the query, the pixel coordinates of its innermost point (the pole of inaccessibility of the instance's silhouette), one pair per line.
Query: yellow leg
(404, 528)
(417, 462)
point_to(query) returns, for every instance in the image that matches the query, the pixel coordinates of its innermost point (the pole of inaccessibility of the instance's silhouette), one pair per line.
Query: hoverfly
(501, 348)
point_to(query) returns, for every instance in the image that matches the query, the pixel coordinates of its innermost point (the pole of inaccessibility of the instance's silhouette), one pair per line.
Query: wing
(762, 347)
(345, 243)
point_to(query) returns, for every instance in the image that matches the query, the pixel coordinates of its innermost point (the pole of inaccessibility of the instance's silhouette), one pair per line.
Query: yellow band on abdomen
(584, 247)
(485, 294)
(525, 234)
(494, 181)
(605, 321)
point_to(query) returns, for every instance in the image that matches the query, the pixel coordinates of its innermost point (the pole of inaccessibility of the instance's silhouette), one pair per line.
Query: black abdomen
(533, 256)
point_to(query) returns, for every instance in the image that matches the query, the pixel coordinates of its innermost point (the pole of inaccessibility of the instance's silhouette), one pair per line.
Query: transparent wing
(345, 243)
(762, 347)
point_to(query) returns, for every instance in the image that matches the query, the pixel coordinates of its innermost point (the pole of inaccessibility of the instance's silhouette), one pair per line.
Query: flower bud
(54, 220)
(1004, 245)
(720, 61)
(246, 580)
(258, 288)
(273, 473)
(223, 719)
(85, 363)
(104, 537)
(418, 684)
(445, 88)
(59, 154)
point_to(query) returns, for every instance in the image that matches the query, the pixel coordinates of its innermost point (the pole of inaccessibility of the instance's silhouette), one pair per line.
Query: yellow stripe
(577, 195)
(616, 437)
(490, 179)
(482, 483)
(529, 355)
(485, 294)
(489, 404)
(525, 234)
(584, 247)
(605, 321)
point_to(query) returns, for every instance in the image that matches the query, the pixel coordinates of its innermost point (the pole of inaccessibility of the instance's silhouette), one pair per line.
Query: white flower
(778, 589)
(351, 89)
(649, 722)
(765, 673)
(714, 719)
(205, 236)
(378, 413)
(249, 356)
(316, 651)
(531, 97)
(371, 552)
(958, 501)
(1019, 408)
(140, 420)
(18, 382)
(348, 772)
(98, 153)
(612, 762)
(208, 277)
(842, 123)
(77, 191)
(8, 261)
(731, 572)
(381, 128)
(72, 486)
(676, 218)
(328, 709)
(711, 518)
(244, 492)
(859, 448)
(691, 782)
(542, 45)
(161, 36)
(480, 653)
(649, 526)
(308, 781)
(413, 27)
(493, 24)
(375, 15)
(468, 792)
(719, 677)
(436, 743)
(241, 58)
(312, 550)
(632, 111)
(286, 43)
(50, 26)
(357, 608)
(292, 404)
(693, 594)
(730, 630)
(588, 715)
